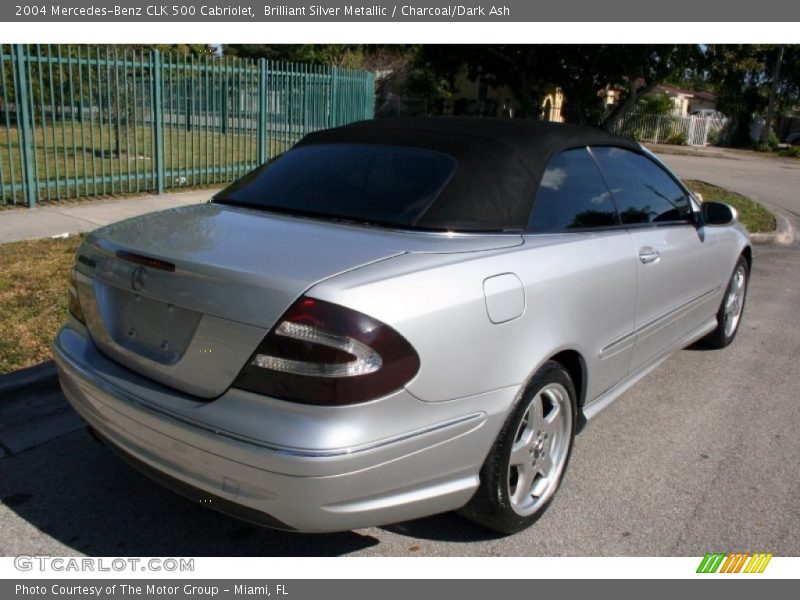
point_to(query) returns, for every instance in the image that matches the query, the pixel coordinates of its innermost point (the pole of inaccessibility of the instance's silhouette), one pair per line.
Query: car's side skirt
(593, 408)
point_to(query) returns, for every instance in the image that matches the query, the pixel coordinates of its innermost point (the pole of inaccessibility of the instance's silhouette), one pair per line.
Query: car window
(643, 191)
(368, 183)
(572, 195)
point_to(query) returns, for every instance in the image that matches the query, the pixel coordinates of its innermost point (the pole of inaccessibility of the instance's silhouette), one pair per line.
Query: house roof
(704, 95)
(499, 162)
(710, 96)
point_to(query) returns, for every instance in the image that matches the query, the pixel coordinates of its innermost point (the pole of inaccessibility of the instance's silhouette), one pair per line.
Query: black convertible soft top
(499, 162)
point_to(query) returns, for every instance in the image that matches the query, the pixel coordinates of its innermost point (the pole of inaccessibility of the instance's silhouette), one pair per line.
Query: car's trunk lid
(184, 296)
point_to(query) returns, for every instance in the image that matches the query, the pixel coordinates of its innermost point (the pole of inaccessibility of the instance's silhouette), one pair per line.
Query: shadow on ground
(81, 496)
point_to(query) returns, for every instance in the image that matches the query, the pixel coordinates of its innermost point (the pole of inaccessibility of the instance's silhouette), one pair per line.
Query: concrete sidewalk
(48, 221)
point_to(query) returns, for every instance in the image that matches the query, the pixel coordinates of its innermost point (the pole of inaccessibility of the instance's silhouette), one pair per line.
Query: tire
(529, 457)
(731, 309)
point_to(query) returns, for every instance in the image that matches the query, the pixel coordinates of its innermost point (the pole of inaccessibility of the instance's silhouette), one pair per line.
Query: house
(552, 104)
(702, 101)
(688, 102)
(685, 102)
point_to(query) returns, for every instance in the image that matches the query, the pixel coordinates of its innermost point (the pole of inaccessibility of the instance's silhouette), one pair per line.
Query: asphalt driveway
(768, 179)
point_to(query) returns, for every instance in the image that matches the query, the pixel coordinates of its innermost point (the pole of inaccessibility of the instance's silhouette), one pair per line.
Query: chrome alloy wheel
(734, 300)
(540, 449)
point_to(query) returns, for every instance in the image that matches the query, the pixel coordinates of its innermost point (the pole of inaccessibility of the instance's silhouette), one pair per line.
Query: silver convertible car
(394, 319)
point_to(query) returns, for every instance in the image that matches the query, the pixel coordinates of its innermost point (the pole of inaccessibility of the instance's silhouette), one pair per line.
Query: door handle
(649, 255)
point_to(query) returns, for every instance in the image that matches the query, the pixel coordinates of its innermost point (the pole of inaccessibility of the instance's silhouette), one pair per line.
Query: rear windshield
(367, 183)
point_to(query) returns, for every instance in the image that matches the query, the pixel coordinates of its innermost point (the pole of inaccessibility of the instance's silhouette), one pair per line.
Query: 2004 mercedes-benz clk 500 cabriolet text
(395, 318)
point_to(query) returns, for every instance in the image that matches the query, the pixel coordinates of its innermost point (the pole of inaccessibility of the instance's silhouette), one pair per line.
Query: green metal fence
(78, 121)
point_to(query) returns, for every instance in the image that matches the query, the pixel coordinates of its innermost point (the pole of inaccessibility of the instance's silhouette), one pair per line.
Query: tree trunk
(627, 104)
(776, 73)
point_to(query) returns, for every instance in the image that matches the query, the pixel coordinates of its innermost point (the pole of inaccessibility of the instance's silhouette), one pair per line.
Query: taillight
(323, 353)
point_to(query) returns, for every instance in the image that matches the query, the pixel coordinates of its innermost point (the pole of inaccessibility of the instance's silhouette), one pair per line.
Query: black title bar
(409, 11)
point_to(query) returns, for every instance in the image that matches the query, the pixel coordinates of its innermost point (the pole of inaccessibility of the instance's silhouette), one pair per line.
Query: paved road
(702, 455)
(774, 181)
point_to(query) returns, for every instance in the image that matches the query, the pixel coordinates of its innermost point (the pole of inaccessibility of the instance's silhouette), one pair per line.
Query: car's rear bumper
(411, 472)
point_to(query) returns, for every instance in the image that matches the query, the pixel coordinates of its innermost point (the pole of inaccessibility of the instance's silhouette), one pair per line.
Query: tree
(582, 71)
(736, 73)
(744, 76)
(773, 88)
(515, 66)
(739, 74)
(634, 70)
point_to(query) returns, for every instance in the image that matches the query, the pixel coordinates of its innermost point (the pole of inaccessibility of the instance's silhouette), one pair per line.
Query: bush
(678, 138)
(719, 136)
(656, 104)
(639, 135)
(771, 144)
(791, 151)
(772, 141)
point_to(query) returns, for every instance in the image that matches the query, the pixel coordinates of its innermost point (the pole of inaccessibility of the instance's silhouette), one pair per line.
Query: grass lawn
(81, 159)
(753, 215)
(34, 277)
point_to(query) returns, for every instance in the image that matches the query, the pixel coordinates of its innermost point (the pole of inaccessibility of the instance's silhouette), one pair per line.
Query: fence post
(263, 146)
(369, 96)
(29, 184)
(158, 122)
(334, 116)
(304, 95)
(188, 93)
(224, 99)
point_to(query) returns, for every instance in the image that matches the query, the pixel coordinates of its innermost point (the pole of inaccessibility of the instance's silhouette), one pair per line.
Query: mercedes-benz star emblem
(138, 278)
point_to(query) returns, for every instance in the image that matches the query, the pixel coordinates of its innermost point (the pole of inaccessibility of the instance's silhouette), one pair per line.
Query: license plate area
(154, 329)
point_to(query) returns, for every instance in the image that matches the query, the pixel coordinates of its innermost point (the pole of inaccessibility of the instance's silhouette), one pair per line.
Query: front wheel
(526, 463)
(729, 315)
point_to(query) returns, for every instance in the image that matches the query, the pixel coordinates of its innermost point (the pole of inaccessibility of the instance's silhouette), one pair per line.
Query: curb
(33, 379)
(784, 233)
(674, 150)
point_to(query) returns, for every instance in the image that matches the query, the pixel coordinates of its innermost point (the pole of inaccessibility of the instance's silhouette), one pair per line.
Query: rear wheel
(729, 315)
(526, 463)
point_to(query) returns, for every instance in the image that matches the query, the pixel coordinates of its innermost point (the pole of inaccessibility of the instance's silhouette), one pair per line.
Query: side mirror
(718, 213)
